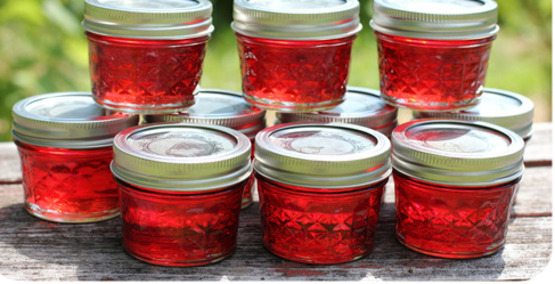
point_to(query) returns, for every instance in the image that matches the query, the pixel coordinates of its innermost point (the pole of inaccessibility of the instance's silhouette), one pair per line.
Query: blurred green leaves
(43, 49)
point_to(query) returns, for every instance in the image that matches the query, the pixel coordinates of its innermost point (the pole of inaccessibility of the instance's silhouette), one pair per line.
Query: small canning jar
(361, 106)
(223, 108)
(65, 145)
(180, 188)
(320, 187)
(503, 108)
(295, 55)
(455, 182)
(146, 56)
(433, 55)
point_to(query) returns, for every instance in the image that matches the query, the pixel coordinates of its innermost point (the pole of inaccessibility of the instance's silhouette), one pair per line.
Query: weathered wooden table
(33, 249)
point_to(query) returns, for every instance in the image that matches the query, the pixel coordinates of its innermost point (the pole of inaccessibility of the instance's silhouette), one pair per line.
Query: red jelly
(455, 182)
(223, 108)
(64, 141)
(295, 55)
(181, 187)
(434, 55)
(320, 188)
(361, 106)
(146, 57)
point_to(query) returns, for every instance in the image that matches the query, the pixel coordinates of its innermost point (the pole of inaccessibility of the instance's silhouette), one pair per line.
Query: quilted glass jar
(146, 56)
(433, 55)
(65, 144)
(223, 108)
(295, 55)
(503, 108)
(361, 106)
(180, 188)
(455, 182)
(320, 188)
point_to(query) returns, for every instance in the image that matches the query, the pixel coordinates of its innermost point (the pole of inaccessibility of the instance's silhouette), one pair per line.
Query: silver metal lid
(67, 120)
(294, 19)
(361, 106)
(456, 152)
(181, 156)
(318, 155)
(436, 19)
(219, 107)
(149, 19)
(503, 108)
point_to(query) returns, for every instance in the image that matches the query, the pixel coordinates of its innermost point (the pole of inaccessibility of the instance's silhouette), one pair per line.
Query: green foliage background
(43, 49)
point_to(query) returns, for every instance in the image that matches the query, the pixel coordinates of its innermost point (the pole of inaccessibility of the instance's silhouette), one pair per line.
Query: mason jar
(180, 188)
(295, 55)
(65, 145)
(320, 188)
(146, 56)
(433, 55)
(455, 182)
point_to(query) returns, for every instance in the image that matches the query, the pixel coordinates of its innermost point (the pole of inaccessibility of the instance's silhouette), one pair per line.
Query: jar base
(291, 107)
(316, 261)
(60, 217)
(451, 255)
(429, 107)
(144, 109)
(175, 263)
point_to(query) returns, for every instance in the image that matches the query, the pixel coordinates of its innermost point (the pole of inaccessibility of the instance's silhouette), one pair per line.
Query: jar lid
(503, 108)
(457, 152)
(181, 157)
(219, 107)
(318, 155)
(149, 19)
(292, 19)
(67, 120)
(433, 19)
(360, 106)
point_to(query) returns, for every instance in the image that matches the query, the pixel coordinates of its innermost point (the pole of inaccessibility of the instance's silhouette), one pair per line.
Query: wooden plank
(9, 163)
(33, 249)
(539, 149)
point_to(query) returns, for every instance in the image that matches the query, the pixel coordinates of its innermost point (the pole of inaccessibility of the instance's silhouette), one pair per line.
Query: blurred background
(43, 49)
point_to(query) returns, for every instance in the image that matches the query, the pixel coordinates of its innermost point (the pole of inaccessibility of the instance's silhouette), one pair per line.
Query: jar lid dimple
(296, 20)
(457, 152)
(322, 155)
(149, 19)
(67, 120)
(219, 107)
(181, 156)
(503, 108)
(361, 106)
(433, 19)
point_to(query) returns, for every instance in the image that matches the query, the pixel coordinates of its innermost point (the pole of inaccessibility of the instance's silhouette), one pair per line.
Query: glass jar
(361, 106)
(223, 108)
(146, 56)
(295, 55)
(65, 145)
(455, 182)
(181, 187)
(320, 188)
(503, 108)
(433, 55)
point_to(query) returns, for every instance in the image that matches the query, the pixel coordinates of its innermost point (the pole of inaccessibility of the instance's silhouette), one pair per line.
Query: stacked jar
(455, 180)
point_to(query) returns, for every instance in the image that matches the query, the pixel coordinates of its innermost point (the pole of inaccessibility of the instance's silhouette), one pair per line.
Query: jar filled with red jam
(320, 187)
(295, 55)
(433, 55)
(503, 108)
(361, 106)
(223, 108)
(455, 182)
(65, 145)
(181, 187)
(146, 56)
